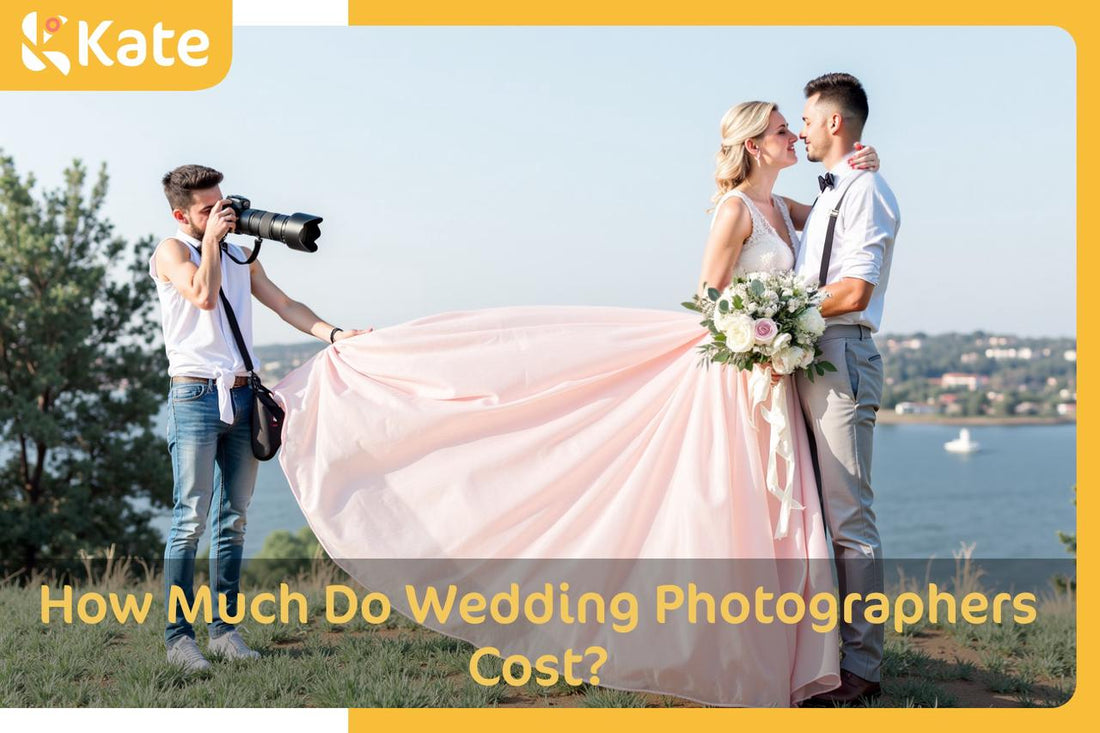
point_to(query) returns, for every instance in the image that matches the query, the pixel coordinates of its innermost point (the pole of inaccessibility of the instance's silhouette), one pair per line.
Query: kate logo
(114, 45)
(34, 37)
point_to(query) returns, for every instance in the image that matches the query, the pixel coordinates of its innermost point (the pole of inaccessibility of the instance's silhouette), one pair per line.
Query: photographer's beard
(192, 231)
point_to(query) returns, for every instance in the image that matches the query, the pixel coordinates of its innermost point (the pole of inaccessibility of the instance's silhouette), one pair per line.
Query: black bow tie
(826, 181)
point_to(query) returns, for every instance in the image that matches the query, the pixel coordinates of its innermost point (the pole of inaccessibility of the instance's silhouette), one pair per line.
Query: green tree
(81, 378)
(284, 555)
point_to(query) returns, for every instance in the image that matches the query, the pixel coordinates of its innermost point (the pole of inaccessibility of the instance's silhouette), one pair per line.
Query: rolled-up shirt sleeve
(870, 227)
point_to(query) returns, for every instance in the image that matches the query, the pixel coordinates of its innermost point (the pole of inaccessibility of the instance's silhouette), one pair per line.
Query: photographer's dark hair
(180, 182)
(845, 91)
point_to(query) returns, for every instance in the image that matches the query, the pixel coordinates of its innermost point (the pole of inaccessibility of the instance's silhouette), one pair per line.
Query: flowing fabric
(537, 433)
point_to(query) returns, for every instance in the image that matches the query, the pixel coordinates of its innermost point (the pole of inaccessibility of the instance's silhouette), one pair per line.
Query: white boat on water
(962, 444)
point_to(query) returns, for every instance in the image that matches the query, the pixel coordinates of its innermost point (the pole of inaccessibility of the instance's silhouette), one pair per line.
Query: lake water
(1009, 500)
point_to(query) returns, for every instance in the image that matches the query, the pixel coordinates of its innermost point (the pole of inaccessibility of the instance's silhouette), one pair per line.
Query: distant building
(1070, 355)
(969, 357)
(1023, 353)
(1027, 408)
(959, 379)
(914, 408)
(893, 345)
(1066, 409)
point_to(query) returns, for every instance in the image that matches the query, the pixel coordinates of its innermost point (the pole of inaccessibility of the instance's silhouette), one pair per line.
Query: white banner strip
(108, 720)
(290, 12)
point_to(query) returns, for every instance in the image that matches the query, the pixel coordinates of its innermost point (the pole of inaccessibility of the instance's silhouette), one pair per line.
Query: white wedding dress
(764, 250)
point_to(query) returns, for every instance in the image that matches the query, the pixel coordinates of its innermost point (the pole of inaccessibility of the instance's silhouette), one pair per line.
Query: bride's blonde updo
(740, 123)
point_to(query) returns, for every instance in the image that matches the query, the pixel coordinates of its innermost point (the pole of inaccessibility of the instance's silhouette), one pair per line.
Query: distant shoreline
(889, 417)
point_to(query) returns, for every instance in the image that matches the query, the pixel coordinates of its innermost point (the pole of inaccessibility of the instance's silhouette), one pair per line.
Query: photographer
(210, 398)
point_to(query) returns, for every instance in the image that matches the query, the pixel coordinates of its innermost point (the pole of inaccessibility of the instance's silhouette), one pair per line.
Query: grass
(399, 664)
(1029, 665)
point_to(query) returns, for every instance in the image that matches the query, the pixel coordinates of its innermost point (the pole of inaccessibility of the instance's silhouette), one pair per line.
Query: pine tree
(81, 378)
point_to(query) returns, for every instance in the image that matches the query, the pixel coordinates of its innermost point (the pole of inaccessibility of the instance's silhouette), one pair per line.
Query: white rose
(811, 322)
(807, 359)
(787, 360)
(781, 341)
(722, 321)
(740, 335)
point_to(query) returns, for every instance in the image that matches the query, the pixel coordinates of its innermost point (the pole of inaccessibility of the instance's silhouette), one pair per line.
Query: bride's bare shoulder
(732, 220)
(731, 207)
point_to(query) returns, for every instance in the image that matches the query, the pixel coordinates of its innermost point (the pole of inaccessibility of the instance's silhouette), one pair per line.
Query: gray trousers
(840, 409)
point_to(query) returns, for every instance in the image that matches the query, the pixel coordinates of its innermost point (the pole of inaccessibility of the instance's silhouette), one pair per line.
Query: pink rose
(764, 330)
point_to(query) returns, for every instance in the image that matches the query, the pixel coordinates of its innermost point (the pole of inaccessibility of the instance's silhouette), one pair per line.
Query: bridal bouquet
(768, 318)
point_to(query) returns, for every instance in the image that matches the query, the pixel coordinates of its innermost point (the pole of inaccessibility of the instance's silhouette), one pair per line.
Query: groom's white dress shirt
(863, 244)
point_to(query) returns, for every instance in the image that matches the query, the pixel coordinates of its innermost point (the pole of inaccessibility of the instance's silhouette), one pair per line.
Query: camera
(298, 231)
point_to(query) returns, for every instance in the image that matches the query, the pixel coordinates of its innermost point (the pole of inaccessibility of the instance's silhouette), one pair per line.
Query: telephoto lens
(298, 231)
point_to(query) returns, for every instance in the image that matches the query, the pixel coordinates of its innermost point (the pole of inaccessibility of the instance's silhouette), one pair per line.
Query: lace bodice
(764, 250)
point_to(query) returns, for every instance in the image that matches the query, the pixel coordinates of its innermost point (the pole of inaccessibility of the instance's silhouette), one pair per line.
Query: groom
(857, 211)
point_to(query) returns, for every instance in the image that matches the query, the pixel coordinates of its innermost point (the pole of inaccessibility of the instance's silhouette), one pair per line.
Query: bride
(586, 449)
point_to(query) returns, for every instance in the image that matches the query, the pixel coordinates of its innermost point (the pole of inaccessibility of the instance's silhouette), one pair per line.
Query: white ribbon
(781, 446)
(224, 380)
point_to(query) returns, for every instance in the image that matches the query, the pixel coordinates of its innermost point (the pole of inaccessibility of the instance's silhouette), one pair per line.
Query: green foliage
(284, 555)
(81, 377)
(285, 545)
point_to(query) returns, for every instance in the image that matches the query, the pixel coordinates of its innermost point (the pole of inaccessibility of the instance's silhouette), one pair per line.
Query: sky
(460, 168)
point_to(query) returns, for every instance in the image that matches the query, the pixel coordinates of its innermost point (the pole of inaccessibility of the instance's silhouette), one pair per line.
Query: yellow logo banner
(120, 45)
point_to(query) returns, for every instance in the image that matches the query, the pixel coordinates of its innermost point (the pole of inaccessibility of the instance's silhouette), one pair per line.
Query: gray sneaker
(231, 646)
(185, 652)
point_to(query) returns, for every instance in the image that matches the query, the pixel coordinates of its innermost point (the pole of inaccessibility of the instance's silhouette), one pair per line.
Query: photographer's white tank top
(200, 343)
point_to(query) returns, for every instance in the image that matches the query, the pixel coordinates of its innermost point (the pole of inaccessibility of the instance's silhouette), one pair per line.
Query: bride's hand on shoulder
(865, 159)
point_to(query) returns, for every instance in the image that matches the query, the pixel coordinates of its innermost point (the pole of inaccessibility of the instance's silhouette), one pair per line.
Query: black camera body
(298, 231)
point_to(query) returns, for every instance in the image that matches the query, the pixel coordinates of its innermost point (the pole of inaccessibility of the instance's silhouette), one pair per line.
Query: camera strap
(236, 329)
(251, 258)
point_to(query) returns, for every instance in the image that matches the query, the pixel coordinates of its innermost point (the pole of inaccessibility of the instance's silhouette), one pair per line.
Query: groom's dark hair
(845, 91)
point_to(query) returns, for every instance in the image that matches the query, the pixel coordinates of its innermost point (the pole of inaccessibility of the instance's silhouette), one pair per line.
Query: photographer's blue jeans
(212, 467)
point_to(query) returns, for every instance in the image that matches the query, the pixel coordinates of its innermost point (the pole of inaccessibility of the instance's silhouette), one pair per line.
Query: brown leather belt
(238, 382)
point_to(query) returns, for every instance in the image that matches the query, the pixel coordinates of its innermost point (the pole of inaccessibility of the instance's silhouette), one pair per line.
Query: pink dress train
(566, 432)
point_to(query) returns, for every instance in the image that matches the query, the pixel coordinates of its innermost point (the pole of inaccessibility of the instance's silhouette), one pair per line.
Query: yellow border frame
(1076, 20)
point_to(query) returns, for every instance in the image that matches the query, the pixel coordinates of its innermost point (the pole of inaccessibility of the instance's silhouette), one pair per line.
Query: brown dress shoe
(853, 690)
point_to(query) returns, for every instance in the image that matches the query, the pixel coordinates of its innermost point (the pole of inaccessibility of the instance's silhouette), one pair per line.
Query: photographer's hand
(221, 222)
(341, 335)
